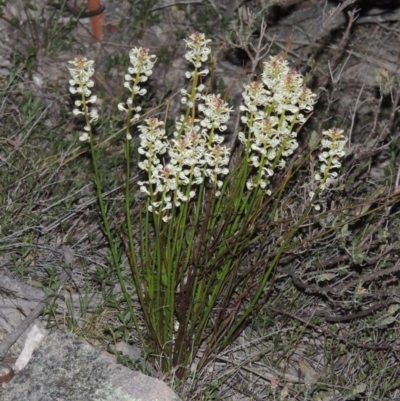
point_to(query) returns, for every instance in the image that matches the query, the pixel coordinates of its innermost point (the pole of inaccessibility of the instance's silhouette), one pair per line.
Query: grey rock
(65, 368)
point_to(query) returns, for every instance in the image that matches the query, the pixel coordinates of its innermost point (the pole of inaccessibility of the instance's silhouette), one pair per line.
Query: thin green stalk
(267, 274)
(81, 74)
(111, 242)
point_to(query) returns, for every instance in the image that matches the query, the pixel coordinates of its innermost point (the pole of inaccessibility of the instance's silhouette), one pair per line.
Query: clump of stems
(196, 284)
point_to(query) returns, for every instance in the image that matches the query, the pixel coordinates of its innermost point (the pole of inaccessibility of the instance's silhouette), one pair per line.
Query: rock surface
(66, 368)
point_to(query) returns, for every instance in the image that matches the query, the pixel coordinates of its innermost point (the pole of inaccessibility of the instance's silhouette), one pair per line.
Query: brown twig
(340, 47)
(335, 289)
(327, 332)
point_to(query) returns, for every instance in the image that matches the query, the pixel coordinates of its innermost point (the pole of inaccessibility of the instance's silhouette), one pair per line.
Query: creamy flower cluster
(273, 108)
(195, 152)
(333, 144)
(142, 67)
(199, 51)
(198, 54)
(81, 81)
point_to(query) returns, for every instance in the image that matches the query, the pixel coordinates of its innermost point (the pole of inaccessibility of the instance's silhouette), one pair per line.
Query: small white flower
(94, 115)
(84, 137)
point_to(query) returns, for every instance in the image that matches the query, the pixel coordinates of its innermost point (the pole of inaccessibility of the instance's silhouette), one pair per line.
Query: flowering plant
(199, 261)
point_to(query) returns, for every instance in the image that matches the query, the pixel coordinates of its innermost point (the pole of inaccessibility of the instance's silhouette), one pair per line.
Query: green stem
(106, 225)
(267, 274)
(113, 248)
